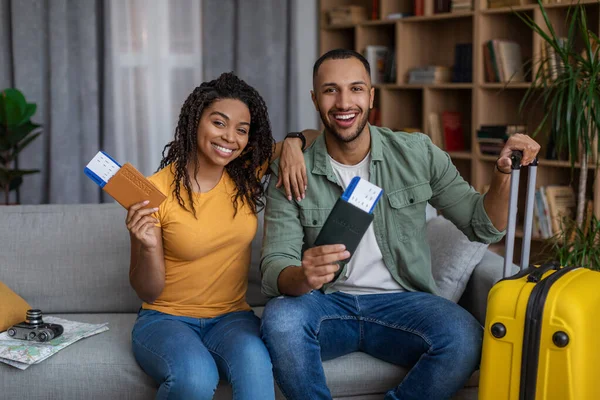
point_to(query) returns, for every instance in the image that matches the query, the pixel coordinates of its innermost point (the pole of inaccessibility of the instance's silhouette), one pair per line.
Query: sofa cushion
(75, 258)
(103, 367)
(68, 258)
(13, 308)
(453, 257)
(98, 367)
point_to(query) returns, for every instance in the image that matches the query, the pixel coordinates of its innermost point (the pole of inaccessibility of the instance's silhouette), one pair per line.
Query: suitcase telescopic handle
(516, 158)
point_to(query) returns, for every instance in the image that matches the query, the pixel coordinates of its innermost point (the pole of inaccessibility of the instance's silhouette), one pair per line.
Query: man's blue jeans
(187, 356)
(438, 340)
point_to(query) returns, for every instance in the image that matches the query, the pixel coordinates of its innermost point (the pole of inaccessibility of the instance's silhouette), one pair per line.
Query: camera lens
(34, 317)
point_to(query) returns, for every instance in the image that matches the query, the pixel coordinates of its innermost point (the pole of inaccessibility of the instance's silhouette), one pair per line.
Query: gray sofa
(72, 261)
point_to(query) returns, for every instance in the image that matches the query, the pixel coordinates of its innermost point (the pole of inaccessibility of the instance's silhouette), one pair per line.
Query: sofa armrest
(484, 276)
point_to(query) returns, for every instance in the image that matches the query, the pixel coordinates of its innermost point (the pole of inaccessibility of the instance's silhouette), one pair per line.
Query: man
(384, 300)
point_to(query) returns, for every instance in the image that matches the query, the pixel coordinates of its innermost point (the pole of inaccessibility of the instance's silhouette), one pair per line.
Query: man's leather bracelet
(498, 169)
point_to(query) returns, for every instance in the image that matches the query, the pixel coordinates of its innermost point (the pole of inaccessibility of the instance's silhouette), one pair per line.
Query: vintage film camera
(34, 328)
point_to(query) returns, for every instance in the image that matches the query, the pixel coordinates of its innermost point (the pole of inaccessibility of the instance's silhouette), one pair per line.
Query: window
(156, 50)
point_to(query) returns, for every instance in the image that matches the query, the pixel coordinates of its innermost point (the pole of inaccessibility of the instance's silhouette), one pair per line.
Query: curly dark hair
(245, 169)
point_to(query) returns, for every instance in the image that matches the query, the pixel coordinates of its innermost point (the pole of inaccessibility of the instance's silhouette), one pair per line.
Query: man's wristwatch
(298, 135)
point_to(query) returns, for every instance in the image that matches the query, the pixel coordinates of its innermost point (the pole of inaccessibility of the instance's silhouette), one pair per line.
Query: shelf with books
(438, 17)
(506, 44)
(502, 108)
(557, 16)
(376, 43)
(430, 39)
(447, 118)
(429, 64)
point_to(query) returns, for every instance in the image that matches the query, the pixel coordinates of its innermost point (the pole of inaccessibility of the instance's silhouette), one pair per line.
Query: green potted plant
(571, 97)
(569, 90)
(574, 245)
(16, 132)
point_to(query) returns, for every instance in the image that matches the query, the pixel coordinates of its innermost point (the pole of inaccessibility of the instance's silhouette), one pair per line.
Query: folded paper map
(22, 353)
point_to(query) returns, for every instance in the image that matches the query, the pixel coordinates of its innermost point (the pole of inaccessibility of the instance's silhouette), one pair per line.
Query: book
(435, 130)
(454, 138)
(561, 204)
(377, 56)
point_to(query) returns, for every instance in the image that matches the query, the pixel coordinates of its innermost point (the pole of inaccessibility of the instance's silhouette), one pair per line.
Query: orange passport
(128, 186)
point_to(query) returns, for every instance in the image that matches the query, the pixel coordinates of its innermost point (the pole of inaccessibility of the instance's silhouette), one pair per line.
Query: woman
(190, 256)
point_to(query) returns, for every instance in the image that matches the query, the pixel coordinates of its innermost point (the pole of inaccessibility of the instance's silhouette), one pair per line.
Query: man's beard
(331, 128)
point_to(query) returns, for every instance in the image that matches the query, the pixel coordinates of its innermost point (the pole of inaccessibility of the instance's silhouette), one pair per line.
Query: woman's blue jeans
(438, 340)
(188, 356)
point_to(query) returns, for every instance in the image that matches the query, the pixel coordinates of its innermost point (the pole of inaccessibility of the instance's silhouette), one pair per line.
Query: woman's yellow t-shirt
(206, 259)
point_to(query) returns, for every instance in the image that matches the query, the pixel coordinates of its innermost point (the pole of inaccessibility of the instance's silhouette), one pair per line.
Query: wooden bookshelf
(430, 40)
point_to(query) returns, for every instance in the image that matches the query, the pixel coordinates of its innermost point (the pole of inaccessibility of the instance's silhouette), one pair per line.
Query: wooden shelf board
(563, 164)
(376, 22)
(520, 234)
(508, 10)
(542, 162)
(449, 85)
(460, 155)
(505, 85)
(437, 17)
(527, 7)
(338, 27)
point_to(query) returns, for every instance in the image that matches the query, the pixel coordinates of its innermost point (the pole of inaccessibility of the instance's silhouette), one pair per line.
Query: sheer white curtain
(156, 56)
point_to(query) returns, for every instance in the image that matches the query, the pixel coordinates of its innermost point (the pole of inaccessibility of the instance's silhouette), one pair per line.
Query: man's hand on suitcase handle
(496, 199)
(517, 143)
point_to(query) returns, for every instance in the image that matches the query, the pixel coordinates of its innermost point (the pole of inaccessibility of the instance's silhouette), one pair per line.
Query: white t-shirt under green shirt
(367, 273)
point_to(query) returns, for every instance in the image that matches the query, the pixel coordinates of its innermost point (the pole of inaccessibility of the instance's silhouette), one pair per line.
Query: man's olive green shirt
(412, 172)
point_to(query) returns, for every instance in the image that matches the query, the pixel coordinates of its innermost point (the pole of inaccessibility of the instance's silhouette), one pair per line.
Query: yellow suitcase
(542, 328)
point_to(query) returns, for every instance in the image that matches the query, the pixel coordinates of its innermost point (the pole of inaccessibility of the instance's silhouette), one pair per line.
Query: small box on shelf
(429, 74)
(346, 15)
(461, 6)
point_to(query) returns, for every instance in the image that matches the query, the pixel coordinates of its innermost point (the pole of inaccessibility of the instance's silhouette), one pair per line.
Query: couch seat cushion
(103, 367)
(98, 367)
